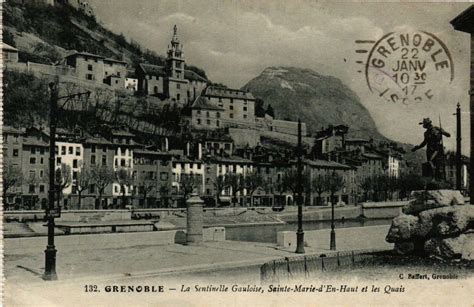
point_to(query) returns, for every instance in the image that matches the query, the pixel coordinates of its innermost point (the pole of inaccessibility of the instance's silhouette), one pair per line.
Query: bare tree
(124, 178)
(145, 187)
(63, 179)
(219, 184)
(83, 181)
(102, 177)
(12, 177)
(319, 184)
(236, 183)
(188, 183)
(252, 182)
(335, 184)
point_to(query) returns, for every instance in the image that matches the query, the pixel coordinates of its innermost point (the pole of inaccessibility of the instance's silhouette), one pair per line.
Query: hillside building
(171, 81)
(95, 68)
(9, 53)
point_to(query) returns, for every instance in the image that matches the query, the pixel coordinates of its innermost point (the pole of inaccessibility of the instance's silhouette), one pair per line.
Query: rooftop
(202, 103)
(8, 47)
(153, 70)
(228, 93)
(326, 164)
(10, 129)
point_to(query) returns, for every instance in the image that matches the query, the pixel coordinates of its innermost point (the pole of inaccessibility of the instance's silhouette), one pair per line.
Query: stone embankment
(436, 224)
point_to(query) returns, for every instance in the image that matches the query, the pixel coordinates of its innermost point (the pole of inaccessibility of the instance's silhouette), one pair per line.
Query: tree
(259, 107)
(290, 182)
(102, 177)
(188, 183)
(270, 111)
(124, 178)
(252, 182)
(12, 177)
(219, 184)
(319, 184)
(335, 183)
(164, 195)
(236, 184)
(62, 178)
(146, 186)
(367, 186)
(83, 181)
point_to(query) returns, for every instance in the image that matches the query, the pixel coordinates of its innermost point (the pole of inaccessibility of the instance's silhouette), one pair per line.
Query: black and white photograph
(237, 152)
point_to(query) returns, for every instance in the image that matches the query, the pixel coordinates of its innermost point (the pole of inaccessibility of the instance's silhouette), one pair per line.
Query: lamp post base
(300, 242)
(50, 263)
(332, 245)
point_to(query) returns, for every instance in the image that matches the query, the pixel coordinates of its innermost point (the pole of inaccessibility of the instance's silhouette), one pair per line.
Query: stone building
(9, 53)
(97, 69)
(172, 81)
(239, 106)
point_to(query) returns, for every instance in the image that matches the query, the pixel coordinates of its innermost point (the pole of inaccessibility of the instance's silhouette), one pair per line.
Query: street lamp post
(51, 211)
(332, 245)
(300, 233)
(50, 252)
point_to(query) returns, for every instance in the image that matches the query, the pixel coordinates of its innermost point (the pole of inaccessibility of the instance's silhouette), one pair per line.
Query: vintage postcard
(242, 153)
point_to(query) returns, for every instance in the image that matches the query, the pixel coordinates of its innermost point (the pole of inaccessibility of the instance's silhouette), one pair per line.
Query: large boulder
(451, 248)
(426, 200)
(445, 221)
(402, 228)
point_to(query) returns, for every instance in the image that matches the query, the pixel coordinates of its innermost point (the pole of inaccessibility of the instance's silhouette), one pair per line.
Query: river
(268, 233)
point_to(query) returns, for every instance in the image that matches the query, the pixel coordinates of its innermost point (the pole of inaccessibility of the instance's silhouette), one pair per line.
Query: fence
(299, 267)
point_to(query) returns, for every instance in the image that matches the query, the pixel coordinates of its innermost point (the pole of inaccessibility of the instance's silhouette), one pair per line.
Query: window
(220, 99)
(89, 67)
(116, 189)
(41, 151)
(41, 173)
(31, 188)
(41, 188)
(93, 160)
(122, 162)
(227, 146)
(198, 112)
(178, 86)
(93, 148)
(41, 160)
(198, 121)
(74, 175)
(32, 160)
(89, 77)
(164, 176)
(217, 123)
(32, 174)
(104, 160)
(207, 114)
(231, 115)
(33, 151)
(208, 122)
(15, 152)
(231, 107)
(78, 151)
(218, 115)
(245, 108)
(63, 150)
(155, 89)
(178, 97)
(74, 163)
(118, 73)
(58, 161)
(104, 149)
(245, 115)
(56, 150)
(70, 150)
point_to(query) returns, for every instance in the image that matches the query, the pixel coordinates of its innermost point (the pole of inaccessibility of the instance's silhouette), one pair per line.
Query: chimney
(187, 149)
(199, 150)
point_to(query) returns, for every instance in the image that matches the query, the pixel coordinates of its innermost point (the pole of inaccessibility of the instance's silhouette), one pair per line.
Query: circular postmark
(408, 67)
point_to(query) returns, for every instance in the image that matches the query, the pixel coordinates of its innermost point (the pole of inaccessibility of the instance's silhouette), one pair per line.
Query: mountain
(317, 99)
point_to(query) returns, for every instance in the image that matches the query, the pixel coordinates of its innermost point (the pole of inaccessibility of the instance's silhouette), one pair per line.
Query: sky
(234, 41)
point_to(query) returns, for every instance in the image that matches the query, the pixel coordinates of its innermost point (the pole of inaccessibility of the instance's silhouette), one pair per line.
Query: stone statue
(433, 140)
